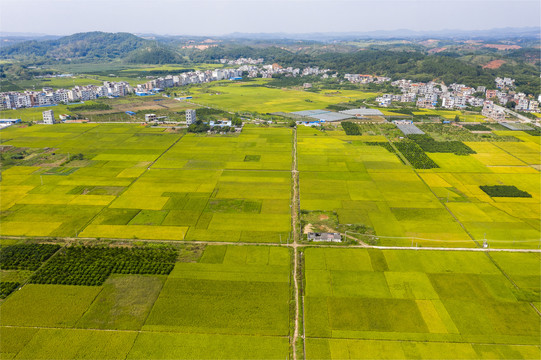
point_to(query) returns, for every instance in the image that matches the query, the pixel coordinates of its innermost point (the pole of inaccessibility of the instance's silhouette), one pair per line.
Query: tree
(198, 127)
(292, 123)
(457, 118)
(510, 105)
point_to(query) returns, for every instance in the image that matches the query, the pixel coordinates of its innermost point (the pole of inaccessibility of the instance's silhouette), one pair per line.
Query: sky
(219, 17)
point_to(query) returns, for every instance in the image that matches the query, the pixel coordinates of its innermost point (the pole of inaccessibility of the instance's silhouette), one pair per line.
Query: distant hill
(153, 54)
(92, 46)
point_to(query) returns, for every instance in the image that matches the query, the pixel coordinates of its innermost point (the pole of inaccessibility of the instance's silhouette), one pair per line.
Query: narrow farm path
(296, 236)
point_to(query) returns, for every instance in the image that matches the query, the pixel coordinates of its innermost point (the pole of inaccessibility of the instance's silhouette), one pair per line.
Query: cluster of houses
(366, 79)
(47, 96)
(425, 95)
(242, 61)
(187, 78)
(267, 71)
(460, 96)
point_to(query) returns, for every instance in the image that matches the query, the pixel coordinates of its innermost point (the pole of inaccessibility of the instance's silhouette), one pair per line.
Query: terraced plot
(419, 304)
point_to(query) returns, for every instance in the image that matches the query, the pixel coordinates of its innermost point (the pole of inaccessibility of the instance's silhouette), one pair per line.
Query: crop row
(7, 288)
(83, 265)
(415, 155)
(25, 256)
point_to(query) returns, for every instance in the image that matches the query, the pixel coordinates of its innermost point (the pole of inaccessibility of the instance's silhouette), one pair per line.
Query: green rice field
(232, 302)
(253, 96)
(220, 207)
(372, 186)
(145, 183)
(382, 304)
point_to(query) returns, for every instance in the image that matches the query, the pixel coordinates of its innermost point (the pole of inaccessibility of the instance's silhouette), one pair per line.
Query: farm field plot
(503, 221)
(418, 304)
(223, 302)
(253, 96)
(370, 185)
(253, 149)
(204, 188)
(233, 290)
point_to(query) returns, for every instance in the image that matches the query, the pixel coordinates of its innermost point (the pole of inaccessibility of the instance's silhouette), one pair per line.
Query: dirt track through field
(296, 234)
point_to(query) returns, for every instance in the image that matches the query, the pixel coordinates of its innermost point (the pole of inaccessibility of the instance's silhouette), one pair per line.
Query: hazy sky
(215, 17)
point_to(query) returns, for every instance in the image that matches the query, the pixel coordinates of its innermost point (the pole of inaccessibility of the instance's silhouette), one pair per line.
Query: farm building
(362, 112)
(220, 123)
(330, 237)
(322, 115)
(150, 117)
(10, 121)
(407, 127)
(515, 126)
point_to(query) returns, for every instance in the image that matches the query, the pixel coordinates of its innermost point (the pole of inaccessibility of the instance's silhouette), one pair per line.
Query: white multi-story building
(448, 102)
(73, 96)
(522, 104)
(493, 111)
(190, 116)
(150, 117)
(48, 117)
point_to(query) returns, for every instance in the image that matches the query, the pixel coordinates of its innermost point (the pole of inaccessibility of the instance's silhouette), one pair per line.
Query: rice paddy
(233, 302)
(253, 96)
(372, 186)
(380, 304)
(143, 183)
(236, 300)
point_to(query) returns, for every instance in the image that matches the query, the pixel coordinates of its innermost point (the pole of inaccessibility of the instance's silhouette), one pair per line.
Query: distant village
(425, 95)
(48, 96)
(454, 96)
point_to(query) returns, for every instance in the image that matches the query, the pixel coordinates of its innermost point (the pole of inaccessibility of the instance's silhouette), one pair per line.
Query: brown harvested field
(494, 64)
(502, 47)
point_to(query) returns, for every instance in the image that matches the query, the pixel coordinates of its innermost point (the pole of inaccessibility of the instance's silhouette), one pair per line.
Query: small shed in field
(327, 237)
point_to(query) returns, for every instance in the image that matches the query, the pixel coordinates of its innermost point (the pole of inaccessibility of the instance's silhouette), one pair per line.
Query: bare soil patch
(494, 64)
